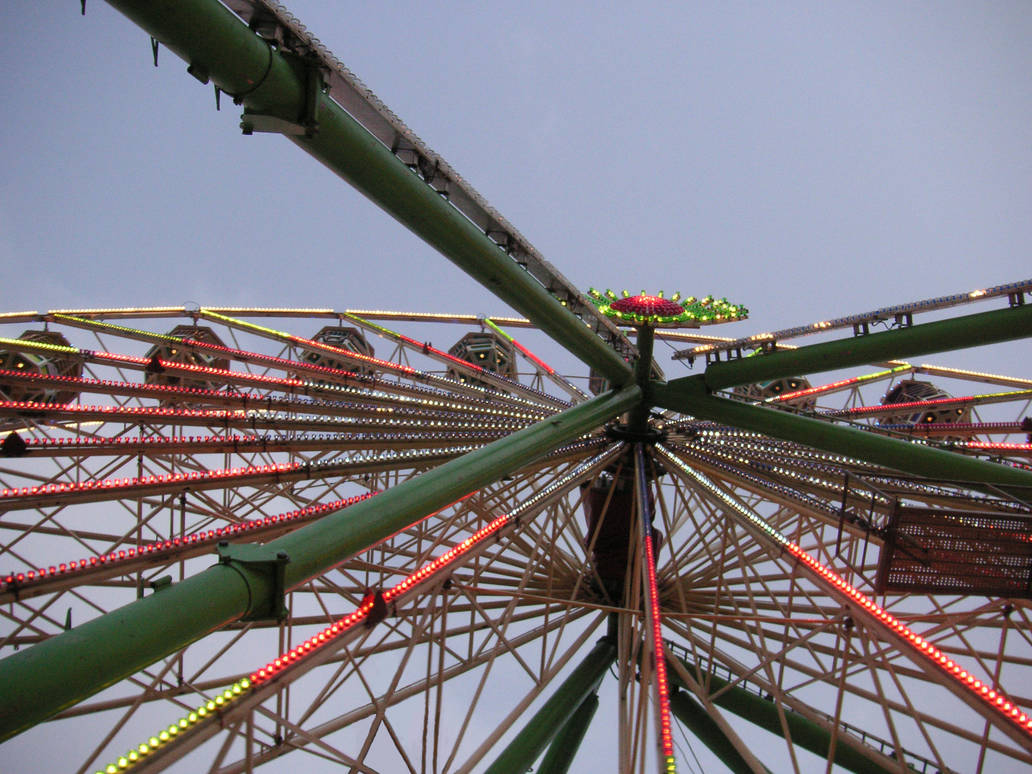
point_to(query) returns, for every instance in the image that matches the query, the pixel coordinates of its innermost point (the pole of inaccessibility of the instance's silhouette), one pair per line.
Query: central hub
(657, 311)
(645, 307)
(613, 534)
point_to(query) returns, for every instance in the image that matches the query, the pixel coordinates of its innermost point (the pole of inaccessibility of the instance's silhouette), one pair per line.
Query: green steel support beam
(706, 730)
(941, 336)
(638, 421)
(564, 747)
(40, 681)
(219, 46)
(763, 713)
(350, 531)
(522, 751)
(691, 397)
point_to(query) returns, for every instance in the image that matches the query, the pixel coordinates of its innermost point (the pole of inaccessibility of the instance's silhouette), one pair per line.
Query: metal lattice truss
(234, 535)
(135, 481)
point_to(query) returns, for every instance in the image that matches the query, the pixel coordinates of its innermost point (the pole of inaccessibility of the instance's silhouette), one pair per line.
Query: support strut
(275, 86)
(692, 398)
(564, 747)
(706, 730)
(40, 681)
(805, 733)
(522, 751)
(941, 336)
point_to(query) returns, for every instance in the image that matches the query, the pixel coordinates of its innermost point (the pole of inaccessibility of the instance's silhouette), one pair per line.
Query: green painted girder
(567, 742)
(691, 397)
(520, 754)
(219, 46)
(40, 681)
(349, 532)
(941, 336)
(706, 730)
(638, 420)
(763, 713)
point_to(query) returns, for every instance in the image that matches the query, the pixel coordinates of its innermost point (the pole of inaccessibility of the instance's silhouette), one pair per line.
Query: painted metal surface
(940, 336)
(520, 754)
(275, 89)
(692, 398)
(40, 681)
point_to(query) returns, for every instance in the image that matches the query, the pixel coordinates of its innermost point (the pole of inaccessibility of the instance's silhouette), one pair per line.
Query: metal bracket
(307, 123)
(260, 560)
(377, 607)
(255, 122)
(13, 446)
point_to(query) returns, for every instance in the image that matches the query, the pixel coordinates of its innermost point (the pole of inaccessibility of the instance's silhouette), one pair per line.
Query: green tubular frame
(218, 44)
(701, 724)
(764, 714)
(564, 746)
(691, 398)
(561, 706)
(42, 680)
(926, 338)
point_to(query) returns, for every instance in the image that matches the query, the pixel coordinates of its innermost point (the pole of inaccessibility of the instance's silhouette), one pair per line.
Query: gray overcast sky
(806, 159)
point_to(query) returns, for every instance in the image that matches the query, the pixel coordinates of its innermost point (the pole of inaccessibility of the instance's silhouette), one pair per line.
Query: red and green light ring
(659, 312)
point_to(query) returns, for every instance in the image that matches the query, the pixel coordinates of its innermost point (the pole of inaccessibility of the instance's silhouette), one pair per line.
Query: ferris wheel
(464, 557)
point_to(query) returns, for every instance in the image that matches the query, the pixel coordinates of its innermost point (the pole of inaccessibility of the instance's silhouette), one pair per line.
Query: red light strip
(172, 365)
(106, 489)
(318, 641)
(248, 417)
(124, 444)
(841, 384)
(245, 686)
(384, 364)
(526, 352)
(278, 362)
(165, 547)
(889, 408)
(120, 411)
(124, 484)
(993, 699)
(138, 388)
(534, 358)
(997, 446)
(815, 390)
(115, 357)
(426, 347)
(662, 682)
(480, 369)
(300, 653)
(964, 428)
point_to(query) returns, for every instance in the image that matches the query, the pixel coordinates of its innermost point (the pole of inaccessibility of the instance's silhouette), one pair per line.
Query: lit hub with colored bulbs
(658, 311)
